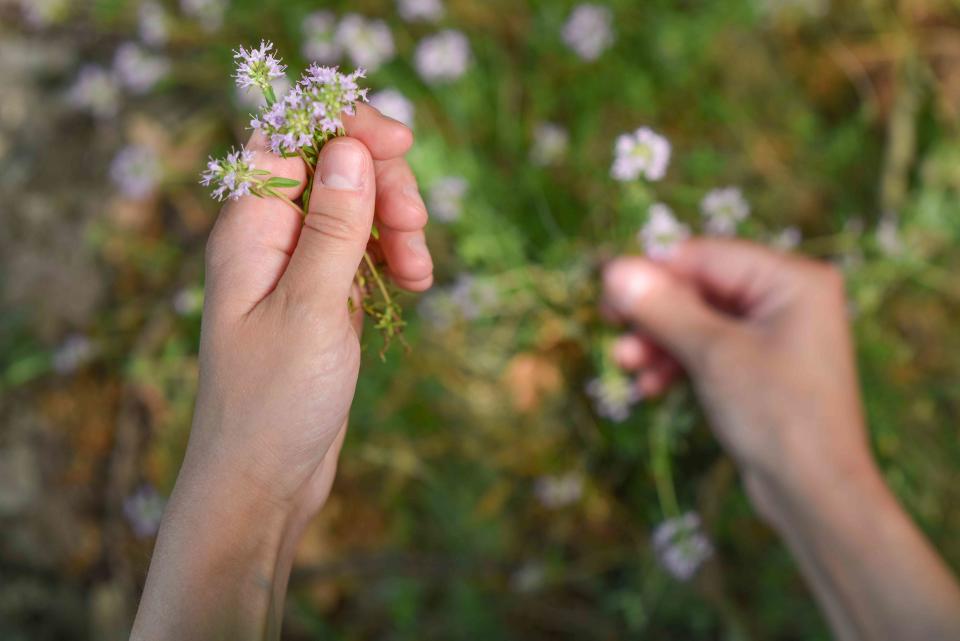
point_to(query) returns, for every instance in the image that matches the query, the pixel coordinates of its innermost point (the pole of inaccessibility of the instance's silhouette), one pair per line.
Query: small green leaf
(277, 181)
(375, 232)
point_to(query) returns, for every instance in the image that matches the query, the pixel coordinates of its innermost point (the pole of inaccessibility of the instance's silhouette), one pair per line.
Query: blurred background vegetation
(480, 494)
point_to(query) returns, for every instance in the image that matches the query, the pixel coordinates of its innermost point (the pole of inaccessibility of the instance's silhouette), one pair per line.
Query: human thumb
(337, 226)
(664, 307)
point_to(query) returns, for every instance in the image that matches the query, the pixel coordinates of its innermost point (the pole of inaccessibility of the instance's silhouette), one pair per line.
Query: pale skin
(280, 357)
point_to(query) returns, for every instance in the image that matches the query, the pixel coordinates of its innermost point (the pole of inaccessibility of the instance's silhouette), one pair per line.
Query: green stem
(272, 192)
(661, 468)
(379, 281)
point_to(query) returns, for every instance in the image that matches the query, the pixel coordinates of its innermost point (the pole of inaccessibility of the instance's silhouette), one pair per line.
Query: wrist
(841, 479)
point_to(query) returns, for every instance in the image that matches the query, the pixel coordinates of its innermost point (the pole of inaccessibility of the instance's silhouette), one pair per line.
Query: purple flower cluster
(642, 152)
(681, 546)
(257, 67)
(310, 113)
(233, 176)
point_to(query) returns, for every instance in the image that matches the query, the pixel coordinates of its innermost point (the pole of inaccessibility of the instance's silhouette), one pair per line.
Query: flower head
(319, 37)
(613, 395)
(311, 111)
(75, 352)
(393, 104)
(257, 67)
(95, 90)
(588, 30)
(787, 239)
(555, 492)
(153, 25)
(662, 232)
(446, 198)
(442, 57)
(367, 42)
(681, 546)
(135, 171)
(550, 144)
(138, 70)
(232, 176)
(723, 209)
(420, 10)
(209, 13)
(643, 152)
(143, 510)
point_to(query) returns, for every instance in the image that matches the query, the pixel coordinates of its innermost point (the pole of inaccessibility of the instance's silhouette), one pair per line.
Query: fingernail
(419, 247)
(412, 193)
(342, 167)
(626, 284)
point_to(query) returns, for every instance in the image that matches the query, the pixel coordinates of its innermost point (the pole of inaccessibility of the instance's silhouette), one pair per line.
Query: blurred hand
(764, 337)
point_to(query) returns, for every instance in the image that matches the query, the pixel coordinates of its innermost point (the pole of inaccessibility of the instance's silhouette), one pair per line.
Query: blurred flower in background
(208, 13)
(154, 23)
(613, 395)
(420, 10)
(723, 209)
(641, 153)
(368, 42)
(75, 352)
(550, 143)
(143, 510)
(41, 13)
(137, 70)
(787, 239)
(681, 546)
(392, 103)
(320, 42)
(556, 492)
(445, 199)
(135, 170)
(442, 57)
(95, 90)
(662, 232)
(589, 31)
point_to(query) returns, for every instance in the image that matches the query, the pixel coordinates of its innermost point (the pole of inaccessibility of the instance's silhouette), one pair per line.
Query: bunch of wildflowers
(299, 123)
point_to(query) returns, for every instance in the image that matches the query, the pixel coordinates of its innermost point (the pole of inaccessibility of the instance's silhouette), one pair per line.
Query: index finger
(385, 137)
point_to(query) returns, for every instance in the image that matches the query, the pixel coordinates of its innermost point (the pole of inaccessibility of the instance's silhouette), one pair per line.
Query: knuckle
(339, 223)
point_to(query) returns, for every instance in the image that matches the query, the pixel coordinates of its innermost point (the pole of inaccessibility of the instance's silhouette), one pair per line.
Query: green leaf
(277, 181)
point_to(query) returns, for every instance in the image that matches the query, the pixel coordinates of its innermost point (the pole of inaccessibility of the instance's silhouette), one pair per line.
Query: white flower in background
(888, 235)
(135, 171)
(367, 42)
(320, 38)
(209, 13)
(43, 13)
(787, 239)
(681, 546)
(613, 395)
(530, 577)
(420, 10)
(188, 301)
(442, 57)
(144, 510)
(723, 209)
(472, 297)
(555, 492)
(467, 298)
(138, 70)
(662, 232)
(589, 30)
(550, 143)
(394, 104)
(75, 352)
(641, 153)
(95, 90)
(153, 24)
(252, 97)
(445, 199)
